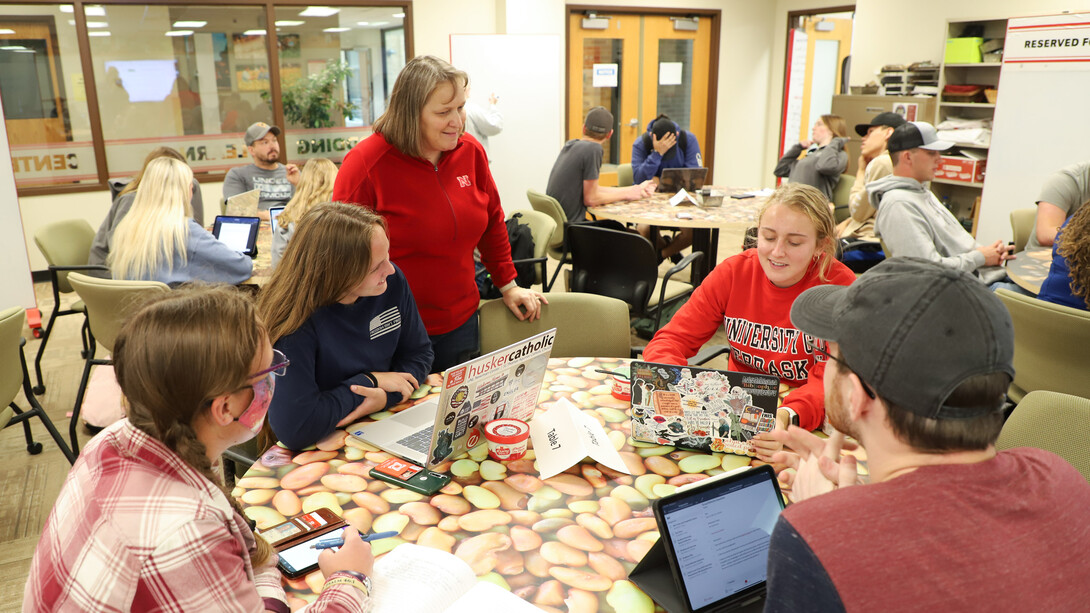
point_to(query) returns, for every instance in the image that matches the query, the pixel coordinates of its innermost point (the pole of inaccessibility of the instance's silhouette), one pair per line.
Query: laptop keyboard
(417, 441)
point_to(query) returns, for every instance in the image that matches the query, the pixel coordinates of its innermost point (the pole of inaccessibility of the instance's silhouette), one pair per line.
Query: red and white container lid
(507, 438)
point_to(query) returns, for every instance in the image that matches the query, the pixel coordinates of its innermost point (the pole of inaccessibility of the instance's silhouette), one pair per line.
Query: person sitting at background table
(433, 186)
(315, 186)
(275, 181)
(874, 163)
(1062, 195)
(825, 157)
(159, 241)
(751, 294)
(143, 521)
(100, 247)
(1068, 280)
(343, 314)
(665, 145)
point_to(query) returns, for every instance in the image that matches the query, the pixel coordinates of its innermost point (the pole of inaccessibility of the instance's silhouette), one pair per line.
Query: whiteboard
(16, 286)
(523, 70)
(1040, 126)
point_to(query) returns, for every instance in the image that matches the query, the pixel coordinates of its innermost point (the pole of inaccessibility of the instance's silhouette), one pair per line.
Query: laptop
(238, 233)
(244, 204)
(274, 213)
(701, 408)
(673, 180)
(504, 383)
(712, 555)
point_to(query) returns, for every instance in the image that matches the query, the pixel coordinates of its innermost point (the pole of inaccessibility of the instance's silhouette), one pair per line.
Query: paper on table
(432, 578)
(563, 436)
(485, 596)
(682, 197)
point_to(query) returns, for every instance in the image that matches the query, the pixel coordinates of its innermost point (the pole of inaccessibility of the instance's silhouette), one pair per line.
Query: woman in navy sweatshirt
(343, 315)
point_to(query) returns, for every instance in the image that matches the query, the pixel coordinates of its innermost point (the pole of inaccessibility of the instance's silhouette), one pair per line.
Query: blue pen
(339, 541)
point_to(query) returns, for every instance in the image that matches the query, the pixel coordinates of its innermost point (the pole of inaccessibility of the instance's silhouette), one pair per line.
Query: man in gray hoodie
(911, 221)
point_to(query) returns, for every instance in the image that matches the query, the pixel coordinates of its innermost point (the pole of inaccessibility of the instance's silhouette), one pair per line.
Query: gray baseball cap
(913, 330)
(916, 135)
(599, 120)
(258, 131)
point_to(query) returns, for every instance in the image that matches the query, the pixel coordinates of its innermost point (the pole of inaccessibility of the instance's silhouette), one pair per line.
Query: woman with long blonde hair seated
(159, 241)
(315, 186)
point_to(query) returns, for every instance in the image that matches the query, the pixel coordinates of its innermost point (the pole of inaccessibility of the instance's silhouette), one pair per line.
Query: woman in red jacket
(751, 294)
(431, 182)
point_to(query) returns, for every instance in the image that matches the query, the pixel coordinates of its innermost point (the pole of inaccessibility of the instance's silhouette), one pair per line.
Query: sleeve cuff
(510, 285)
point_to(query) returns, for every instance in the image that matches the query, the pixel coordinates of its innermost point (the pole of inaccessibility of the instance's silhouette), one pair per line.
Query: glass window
(336, 67)
(604, 51)
(45, 106)
(675, 98)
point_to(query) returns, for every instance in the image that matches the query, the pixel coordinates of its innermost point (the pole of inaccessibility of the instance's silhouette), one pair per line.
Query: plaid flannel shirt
(135, 528)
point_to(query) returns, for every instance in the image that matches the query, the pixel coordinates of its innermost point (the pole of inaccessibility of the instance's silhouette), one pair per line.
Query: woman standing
(315, 186)
(143, 521)
(344, 316)
(159, 241)
(751, 294)
(825, 157)
(434, 188)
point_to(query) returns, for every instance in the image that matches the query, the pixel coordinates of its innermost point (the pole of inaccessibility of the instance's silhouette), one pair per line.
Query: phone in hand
(302, 558)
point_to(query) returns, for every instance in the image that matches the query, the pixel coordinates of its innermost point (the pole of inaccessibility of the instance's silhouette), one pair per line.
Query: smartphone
(403, 473)
(741, 196)
(302, 558)
(318, 521)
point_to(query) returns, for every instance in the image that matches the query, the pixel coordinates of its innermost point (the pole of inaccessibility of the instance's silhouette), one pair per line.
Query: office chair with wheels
(557, 248)
(109, 303)
(15, 376)
(1055, 422)
(66, 246)
(624, 265)
(1051, 346)
(587, 326)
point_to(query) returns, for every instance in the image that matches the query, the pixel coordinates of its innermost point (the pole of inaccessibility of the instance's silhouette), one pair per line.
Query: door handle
(633, 123)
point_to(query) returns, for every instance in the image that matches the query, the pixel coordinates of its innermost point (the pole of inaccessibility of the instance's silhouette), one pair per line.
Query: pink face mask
(254, 415)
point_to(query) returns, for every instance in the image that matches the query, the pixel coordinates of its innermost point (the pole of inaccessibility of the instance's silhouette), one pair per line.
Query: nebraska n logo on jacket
(385, 322)
(463, 181)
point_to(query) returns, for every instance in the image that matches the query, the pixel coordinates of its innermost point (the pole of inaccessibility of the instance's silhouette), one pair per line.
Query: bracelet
(350, 577)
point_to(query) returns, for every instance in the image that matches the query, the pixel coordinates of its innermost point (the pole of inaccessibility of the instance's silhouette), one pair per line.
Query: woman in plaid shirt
(143, 522)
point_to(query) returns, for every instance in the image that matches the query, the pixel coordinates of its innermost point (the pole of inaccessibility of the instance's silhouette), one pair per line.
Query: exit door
(639, 67)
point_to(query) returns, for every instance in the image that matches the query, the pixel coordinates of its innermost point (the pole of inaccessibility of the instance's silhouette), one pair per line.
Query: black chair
(624, 265)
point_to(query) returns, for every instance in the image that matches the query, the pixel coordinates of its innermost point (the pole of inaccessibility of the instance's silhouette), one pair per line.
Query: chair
(15, 376)
(557, 247)
(841, 193)
(1051, 346)
(1055, 422)
(624, 265)
(587, 325)
(1023, 224)
(624, 175)
(66, 246)
(109, 303)
(542, 227)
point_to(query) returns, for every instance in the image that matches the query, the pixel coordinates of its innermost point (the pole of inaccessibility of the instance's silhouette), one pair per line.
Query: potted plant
(310, 101)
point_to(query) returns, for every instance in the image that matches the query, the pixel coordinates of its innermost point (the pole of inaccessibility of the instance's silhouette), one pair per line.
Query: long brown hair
(400, 124)
(158, 152)
(812, 203)
(315, 186)
(329, 254)
(836, 125)
(1074, 241)
(178, 351)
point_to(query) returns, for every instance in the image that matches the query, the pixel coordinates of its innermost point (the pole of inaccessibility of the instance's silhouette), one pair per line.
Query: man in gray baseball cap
(912, 222)
(919, 360)
(275, 181)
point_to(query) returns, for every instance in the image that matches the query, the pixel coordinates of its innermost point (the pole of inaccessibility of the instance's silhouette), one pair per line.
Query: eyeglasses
(279, 366)
(866, 388)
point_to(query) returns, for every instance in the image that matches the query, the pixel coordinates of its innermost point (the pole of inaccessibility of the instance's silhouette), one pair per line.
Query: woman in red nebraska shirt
(431, 182)
(751, 294)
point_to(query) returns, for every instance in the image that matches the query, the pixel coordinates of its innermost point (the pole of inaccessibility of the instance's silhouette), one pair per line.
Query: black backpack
(522, 248)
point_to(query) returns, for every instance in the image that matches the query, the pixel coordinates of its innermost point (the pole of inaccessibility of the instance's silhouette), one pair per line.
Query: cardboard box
(963, 50)
(959, 168)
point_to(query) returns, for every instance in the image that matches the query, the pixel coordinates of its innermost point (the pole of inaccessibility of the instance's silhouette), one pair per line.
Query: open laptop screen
(718, 536)
(238, 233)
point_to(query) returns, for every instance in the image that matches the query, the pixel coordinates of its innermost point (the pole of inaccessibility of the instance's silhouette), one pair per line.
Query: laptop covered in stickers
(701, 408)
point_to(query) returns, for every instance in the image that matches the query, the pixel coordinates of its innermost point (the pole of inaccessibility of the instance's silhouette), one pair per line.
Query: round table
(1029, 268)
(705, 222)
(571, 538)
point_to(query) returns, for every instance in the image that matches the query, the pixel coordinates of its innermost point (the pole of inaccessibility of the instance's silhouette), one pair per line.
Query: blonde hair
(329, 254)
(159, 152)
(836, 125)
(400, 124)
(810, 202)
(178, 352)
(157, 226)
(315, 185)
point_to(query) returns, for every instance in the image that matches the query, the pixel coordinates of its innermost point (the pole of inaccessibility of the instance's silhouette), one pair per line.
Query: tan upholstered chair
(109, 303)
(624, 175)
(1023, 224)
(1055, 422)
(841, 194)
(586, 325)
(558, 249)
(1051, 346)
(542, 227)
(15, 376)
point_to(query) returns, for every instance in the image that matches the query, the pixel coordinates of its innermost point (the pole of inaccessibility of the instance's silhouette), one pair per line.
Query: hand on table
(996, 253)
(374, 399)
(530, 300)
(818, 466)
(354, 555)
(400, 382)
(643, 190)
(662, 145)
(434, 379)
(293, 173)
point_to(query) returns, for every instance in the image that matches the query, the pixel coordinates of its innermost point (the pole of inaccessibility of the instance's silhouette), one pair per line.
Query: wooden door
(33, 108)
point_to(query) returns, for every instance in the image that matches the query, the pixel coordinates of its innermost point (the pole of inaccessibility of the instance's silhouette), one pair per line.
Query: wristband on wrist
(350, 577)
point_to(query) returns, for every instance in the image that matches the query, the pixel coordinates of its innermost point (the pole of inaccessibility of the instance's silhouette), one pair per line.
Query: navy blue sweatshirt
(332, 350)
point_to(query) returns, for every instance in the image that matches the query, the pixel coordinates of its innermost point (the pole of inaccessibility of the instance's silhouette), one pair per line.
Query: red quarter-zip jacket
(436, 216)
